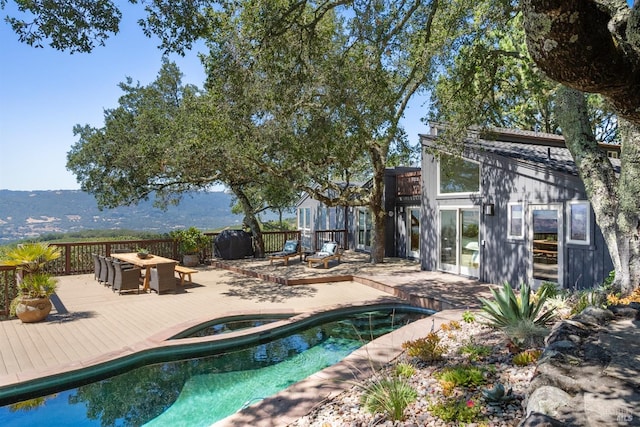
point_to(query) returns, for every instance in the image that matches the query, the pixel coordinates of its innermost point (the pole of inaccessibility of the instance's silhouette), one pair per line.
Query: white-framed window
(515, 218)
(304, 218)
(364, 229)
(579, 222)
(457, 175)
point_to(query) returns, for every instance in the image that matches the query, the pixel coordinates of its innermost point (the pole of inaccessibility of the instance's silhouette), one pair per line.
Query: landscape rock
(546, 400)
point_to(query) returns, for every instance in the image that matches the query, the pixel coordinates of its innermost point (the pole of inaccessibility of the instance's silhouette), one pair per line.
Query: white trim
(468, 193)
(587, 205)
(509, 218)
(457, 267)
(408, 226)
(558, 207)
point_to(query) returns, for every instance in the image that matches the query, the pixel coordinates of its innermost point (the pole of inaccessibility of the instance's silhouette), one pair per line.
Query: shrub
(468, 317)
(459, 410)
(507, 310)
(527, 357)
(453, 325)
(388, 395)
(525, 334)
(404, 370)
(475, 351)
(428, 349)
(462, 376)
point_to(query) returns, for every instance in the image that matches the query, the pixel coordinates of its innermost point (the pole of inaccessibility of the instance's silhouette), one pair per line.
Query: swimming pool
(199, 391)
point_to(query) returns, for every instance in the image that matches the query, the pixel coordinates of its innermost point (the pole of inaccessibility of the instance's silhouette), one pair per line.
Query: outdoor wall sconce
(489, 209)
(390, 213)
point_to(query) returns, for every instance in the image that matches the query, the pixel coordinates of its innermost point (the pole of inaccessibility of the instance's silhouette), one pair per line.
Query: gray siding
(504, 180)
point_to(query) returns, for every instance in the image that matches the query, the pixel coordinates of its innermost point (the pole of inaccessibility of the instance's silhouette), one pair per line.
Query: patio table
(146, 263)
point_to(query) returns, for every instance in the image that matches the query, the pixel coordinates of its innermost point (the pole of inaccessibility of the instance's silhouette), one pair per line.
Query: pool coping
(296, 401)
(301, 398)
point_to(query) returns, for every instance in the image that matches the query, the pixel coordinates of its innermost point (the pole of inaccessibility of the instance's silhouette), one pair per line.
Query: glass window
(304, 218)
(579, 218)
(516, 221)
(457, 175)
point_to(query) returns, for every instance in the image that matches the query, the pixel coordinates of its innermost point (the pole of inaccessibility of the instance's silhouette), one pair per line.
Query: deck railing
(77, 257)
(339, 236)
(8, 288)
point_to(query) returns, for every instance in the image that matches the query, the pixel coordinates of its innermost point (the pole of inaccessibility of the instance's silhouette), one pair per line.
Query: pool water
(201, 391)
(225, 326)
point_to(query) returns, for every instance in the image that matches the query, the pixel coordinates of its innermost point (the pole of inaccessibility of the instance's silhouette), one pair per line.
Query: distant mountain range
(30, 214)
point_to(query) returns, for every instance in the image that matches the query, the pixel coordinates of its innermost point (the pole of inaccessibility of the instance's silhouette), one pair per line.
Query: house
(510, 208)
(351, 226)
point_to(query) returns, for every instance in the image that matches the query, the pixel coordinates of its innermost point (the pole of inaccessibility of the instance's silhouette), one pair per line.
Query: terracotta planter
(190, 260)
(31, 310)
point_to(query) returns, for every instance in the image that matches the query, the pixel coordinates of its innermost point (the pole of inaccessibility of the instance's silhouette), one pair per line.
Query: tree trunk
(614, 200)
(377, 209)
(250, 221)
(589, 45)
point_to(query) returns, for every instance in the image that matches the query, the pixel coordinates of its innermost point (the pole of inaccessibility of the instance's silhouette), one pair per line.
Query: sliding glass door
(460, 241)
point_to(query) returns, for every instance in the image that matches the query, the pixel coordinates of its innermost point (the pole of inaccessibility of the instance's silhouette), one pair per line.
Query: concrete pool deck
(90, 324)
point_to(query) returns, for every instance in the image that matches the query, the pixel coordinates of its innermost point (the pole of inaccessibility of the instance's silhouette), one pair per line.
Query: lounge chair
(328, 252)
(291, 249)
(126, 279)
(162, 277)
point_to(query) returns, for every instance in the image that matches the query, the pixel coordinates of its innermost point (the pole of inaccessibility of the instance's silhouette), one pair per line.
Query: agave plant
(507, 310)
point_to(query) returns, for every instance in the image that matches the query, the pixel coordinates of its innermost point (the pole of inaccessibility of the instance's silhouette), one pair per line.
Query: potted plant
(191, 242)
(142, 253)
(33, 303)
(35, 286)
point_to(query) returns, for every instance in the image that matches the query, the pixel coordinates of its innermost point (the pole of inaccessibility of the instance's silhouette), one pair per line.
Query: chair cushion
(290, 246)
(329, 248)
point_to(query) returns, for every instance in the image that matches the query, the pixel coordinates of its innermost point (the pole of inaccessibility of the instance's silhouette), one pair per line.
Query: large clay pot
(190, 260)
(30, 310)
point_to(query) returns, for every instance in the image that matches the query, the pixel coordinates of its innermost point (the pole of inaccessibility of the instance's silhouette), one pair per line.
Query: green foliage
(428, 349)
(508, 310)
(475, 351)
(190, 240)
(388, 395)
(31, 257)
(462, 376)
(468, 317)
(527, 357)
(37, 285)
(550, 289)
(404, 370)
(458, 410)
(588, 298)
(75, 26)
(525, 333)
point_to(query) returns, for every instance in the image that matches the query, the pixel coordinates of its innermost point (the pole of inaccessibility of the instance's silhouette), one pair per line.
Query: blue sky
(44, 93)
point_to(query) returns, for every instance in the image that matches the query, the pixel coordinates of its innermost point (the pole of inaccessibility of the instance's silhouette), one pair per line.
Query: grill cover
(233, 244)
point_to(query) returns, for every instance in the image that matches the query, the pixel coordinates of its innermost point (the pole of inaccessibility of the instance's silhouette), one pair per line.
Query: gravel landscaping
(346, 409)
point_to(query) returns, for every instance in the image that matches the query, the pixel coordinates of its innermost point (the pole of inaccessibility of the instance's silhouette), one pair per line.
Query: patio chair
(126, 279)
(162, 277)
(111, 272)
(328, 252)
(291, 249)
(104, 270)
(96, 267)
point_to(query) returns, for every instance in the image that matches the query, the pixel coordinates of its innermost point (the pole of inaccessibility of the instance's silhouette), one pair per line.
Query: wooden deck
(90, 324)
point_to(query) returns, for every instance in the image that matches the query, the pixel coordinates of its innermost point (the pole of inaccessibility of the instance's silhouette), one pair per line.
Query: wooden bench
(284, 256)
(324, 259)
(185, 272)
